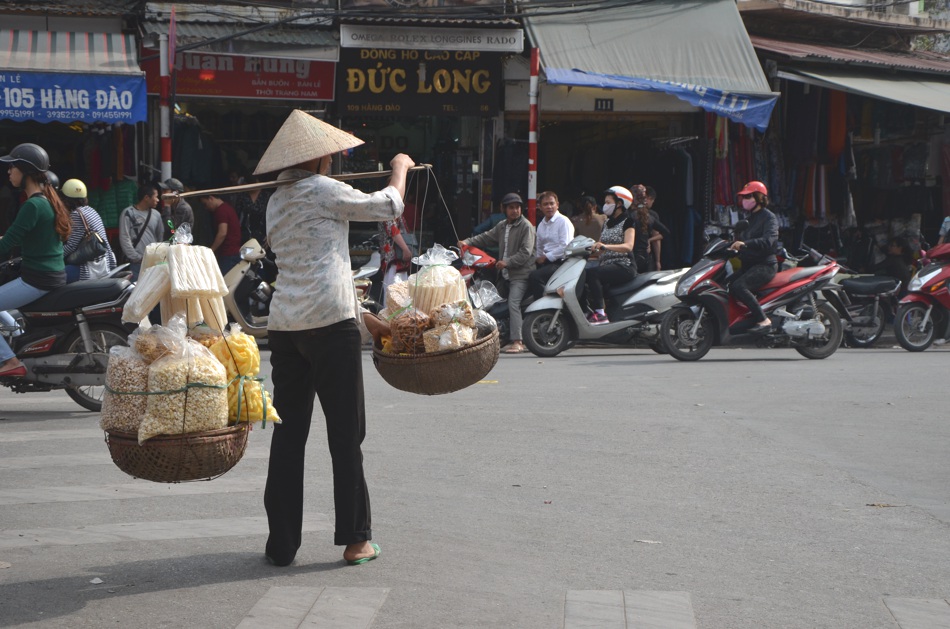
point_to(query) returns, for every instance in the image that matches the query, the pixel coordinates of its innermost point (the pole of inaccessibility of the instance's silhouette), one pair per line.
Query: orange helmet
(754, 186)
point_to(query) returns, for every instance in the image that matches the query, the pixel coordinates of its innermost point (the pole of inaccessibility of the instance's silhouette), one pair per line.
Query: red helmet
(754, 186)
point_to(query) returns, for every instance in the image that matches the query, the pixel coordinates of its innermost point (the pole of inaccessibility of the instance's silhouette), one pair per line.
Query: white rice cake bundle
(172, 306)
(215, 315)
(194, 272)
(436, 285)
(194, 409)
(127, 372)
(451, 336)
(155, 253)
(152, 286)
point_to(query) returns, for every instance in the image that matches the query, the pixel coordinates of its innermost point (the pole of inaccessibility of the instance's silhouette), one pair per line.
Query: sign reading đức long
(374, 81)
(60, 97)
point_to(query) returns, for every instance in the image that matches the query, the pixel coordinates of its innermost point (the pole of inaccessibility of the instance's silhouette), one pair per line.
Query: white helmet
(74, 189)
(623, 194)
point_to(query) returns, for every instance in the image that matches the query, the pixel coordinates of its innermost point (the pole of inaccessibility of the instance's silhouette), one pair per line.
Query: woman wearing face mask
(616, 242)
(756, 251)
(40, 228)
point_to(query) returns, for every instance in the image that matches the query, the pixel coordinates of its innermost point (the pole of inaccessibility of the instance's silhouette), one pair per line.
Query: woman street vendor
(313, 335)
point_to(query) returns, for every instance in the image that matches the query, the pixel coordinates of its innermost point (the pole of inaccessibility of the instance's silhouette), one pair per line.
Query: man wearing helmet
(514, 238)
(756, 252)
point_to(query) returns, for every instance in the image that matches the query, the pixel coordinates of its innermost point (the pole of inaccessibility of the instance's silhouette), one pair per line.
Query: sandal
(14, 372)
(516, 349)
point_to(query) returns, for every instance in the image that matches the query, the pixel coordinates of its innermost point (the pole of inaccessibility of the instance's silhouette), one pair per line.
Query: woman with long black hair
(40, 229)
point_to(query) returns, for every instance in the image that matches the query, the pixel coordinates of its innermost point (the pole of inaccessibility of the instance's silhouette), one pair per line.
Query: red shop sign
(231, 76)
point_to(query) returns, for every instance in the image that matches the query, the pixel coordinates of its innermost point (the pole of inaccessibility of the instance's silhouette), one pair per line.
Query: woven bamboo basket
(179, 458)
(439, 372)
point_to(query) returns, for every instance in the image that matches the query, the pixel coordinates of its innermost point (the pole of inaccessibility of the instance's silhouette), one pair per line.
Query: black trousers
(539, 278)
(747, 281)
(601, 276)
(325, 362)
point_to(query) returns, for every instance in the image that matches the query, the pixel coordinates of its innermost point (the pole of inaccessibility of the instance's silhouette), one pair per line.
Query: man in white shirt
(312, 328)
(554, 232)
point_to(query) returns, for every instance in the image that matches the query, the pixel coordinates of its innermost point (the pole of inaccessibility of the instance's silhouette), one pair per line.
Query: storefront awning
(696, 50)
(49, 76)
(231, 39)
(907, 90)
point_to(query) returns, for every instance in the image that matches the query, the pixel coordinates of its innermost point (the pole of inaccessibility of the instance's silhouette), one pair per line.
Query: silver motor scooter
(557, 320)
(251, 286)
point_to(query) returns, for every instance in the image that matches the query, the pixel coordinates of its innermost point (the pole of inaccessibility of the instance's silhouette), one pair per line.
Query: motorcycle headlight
(917, 282)
(683, 286)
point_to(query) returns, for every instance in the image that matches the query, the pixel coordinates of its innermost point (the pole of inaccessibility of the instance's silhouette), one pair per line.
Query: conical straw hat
(301, 139)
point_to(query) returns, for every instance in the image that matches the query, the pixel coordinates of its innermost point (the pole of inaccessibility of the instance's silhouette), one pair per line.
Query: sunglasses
(745, 196)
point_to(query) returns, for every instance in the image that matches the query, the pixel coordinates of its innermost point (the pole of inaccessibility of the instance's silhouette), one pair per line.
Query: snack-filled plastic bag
(485, 324)
(407, 330)
(156, 341)
(484, 294)
(460, 311)
(438, 282)
(187, 393)
(124, 400)
(247, 399)
(397, 296)
(451, 336)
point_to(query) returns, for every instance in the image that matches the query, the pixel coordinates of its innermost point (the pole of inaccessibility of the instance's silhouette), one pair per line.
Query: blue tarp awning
(696, 50)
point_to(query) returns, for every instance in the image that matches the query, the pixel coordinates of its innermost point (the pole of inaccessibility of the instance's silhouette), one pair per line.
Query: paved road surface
(605, 488)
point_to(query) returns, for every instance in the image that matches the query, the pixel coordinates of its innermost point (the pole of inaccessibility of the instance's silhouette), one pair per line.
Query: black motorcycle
(63, 338)
(865, 303)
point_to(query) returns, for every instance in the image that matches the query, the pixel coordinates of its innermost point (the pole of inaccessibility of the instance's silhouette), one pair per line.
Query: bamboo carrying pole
(172, 195)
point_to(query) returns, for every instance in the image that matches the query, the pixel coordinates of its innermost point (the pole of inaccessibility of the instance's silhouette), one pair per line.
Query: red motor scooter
(923, 314)
(709, 316)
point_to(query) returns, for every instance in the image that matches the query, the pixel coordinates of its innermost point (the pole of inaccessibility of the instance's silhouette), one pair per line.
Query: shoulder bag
(90, 248)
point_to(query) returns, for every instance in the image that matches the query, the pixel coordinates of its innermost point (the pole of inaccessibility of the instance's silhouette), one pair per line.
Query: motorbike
(709, 316)
(865, 302)
(922, 315)
(63, 338)
(477, 266)
(251, 287)
(557, 320)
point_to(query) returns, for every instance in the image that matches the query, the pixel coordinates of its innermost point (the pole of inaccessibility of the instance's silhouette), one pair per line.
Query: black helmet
(30, 158)
(52, 179)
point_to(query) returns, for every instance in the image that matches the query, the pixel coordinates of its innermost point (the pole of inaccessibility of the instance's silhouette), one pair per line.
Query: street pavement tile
(606, 609)
(326, 608)
(919, 613)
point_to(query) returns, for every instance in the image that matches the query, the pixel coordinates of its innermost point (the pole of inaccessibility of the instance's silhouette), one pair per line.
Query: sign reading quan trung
(418, 82)
(432, 38)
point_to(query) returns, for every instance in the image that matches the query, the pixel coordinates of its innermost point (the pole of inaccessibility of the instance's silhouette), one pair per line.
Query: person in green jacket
(40, 229)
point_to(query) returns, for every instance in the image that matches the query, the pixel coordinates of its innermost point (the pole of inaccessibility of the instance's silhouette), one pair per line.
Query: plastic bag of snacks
(437, 282)
(187, 393)
(247, 399)
(397, 297)
(407, 330)
(127, 373)
(451, 336)
(459, 311)
(154, 342)
(485, 324)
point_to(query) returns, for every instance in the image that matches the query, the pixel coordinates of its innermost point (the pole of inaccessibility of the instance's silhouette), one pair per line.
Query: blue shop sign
(55, 97)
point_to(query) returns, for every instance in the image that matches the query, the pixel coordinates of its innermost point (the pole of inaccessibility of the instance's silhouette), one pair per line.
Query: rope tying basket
(439, 372)
(179, 458)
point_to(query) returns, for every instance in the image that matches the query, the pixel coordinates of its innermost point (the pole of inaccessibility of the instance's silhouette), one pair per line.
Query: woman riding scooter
(616, 242)
(756, 252)
(40, 228)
